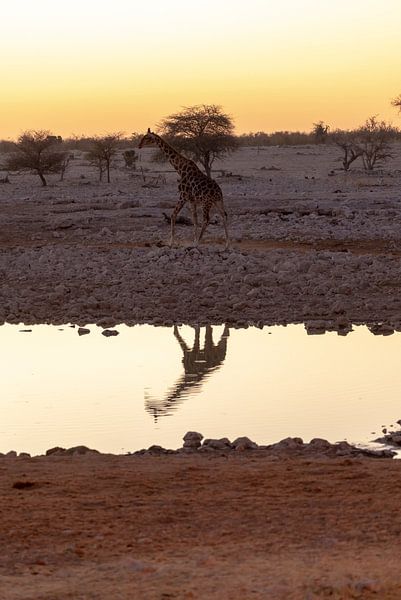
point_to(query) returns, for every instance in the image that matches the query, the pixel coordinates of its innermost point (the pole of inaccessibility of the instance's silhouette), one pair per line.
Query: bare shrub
(373, 140)
(34, 152)
(347, 141)
(64, 165)
(102, 151)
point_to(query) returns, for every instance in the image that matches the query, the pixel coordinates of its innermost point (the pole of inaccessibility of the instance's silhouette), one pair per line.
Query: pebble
(110, 332)
(83, 331)
(192, 440)
(243, 443)
(220, 444)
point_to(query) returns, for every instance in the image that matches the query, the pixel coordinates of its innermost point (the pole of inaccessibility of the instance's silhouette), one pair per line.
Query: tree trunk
(348, 160)
(369, 162)
(365, 166)
(108, 171)
(206, 165)
(345, 160)
(42, 178)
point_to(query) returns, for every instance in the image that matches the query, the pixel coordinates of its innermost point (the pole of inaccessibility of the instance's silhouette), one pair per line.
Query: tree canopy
(202, 132)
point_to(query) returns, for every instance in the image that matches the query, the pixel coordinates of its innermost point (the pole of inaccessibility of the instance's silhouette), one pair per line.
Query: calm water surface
(150, 385)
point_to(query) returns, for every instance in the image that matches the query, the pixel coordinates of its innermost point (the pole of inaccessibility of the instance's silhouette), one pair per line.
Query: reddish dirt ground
(238, 527)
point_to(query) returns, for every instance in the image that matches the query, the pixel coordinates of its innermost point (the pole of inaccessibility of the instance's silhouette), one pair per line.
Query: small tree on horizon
(320, 132)
(33, 152)
(346, 140)
(102, 151)
(373, 140)
(202, 132)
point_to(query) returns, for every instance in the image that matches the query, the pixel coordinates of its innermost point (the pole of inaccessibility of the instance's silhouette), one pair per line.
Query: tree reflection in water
(198, 363)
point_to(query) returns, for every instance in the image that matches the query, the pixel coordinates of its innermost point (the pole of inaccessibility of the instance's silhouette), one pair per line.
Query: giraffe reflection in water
(198, 363)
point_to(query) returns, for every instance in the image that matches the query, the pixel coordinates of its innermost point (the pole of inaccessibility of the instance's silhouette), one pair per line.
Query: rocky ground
(309, 244)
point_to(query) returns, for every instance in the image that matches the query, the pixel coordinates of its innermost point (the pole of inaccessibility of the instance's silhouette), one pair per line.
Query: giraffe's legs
(209, 337)
(180, 340)
(176, 210)
(220, 208)
(195, 220)
(206, 218)
(196, 345)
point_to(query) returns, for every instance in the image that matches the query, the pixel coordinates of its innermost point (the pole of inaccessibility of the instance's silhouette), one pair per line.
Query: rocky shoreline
(163, 286)
(195, 443)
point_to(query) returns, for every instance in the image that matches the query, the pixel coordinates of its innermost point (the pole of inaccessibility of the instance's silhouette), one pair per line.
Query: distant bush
(371, 142)
(85, 143)
(78, 142)
(278, 138)
(6, 146)
(320, 132)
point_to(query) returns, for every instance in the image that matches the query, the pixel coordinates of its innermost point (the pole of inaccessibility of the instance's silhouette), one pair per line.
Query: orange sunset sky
(91, 66)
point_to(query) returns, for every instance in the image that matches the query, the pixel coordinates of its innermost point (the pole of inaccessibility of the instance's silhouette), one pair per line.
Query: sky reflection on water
(150, 385)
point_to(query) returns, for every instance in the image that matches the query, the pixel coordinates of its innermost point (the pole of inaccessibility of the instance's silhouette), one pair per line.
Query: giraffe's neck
(175, 158)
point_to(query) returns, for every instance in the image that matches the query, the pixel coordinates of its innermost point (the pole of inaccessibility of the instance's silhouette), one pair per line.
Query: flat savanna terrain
(309, 243)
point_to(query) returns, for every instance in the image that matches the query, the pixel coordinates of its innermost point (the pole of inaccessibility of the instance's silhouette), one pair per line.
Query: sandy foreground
(309, 244)
(238, 526)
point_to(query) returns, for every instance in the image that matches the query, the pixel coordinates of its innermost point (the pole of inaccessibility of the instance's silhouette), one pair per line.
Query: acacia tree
(64, 164)
(97, 161)
(373, 140)
(34, 152)
(202, 132)
(102, 151)
(346, 140)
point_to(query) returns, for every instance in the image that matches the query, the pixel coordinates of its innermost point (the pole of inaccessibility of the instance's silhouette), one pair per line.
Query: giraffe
(194, 186)
(198, 364)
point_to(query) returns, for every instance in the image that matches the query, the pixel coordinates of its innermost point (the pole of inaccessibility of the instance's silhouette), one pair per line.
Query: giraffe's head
(149, 139)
